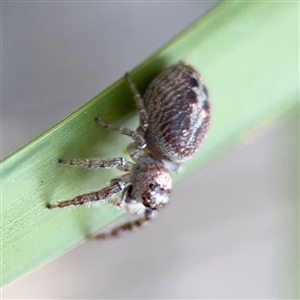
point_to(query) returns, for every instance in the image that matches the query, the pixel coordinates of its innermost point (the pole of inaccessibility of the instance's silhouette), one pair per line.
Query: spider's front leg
(131, 205)
(129, 226)
(116, 185)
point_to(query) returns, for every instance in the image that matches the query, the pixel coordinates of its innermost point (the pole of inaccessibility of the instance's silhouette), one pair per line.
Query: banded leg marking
(104, 194)
(129, 226)
(139, 103)
(120, 163)
(138, 138)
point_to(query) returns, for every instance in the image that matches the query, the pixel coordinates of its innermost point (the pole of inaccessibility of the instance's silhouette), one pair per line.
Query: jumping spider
(174, 119)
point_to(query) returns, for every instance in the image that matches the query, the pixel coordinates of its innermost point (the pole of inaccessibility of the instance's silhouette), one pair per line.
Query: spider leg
(137, 137)
(116, 185)
(120, 163)
(139, 103)
(129, 226)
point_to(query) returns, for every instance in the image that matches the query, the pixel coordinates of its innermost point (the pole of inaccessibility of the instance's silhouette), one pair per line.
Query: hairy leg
(139, 103)
(116, 185)
(129, 226)
(120, 163)
(137, 137)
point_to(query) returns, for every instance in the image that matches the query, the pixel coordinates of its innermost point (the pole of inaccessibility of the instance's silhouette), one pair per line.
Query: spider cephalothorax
(174, 119)
(152, 182)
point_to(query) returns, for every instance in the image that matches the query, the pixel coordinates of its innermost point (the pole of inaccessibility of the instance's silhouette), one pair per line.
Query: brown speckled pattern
(178, 113)
(174, 119)
(151, 182)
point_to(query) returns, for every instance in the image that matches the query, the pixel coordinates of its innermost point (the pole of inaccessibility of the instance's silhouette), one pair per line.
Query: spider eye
(156, 196)
(158, 191)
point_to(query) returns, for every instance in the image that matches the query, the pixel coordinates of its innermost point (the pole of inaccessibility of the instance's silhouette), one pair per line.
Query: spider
(174, 119)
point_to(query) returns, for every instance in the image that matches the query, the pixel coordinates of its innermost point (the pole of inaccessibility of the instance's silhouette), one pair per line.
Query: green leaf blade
(253, 79)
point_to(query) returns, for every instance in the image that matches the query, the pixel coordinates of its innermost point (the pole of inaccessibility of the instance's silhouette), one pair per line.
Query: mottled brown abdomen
(178, 113)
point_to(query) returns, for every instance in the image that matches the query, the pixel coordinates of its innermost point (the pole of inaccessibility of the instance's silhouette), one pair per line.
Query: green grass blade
(248, 56)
